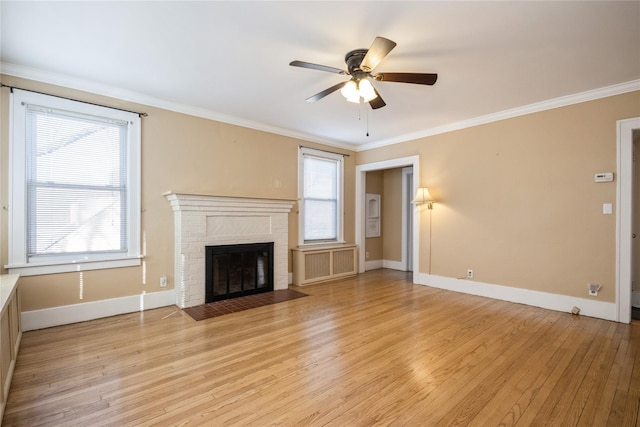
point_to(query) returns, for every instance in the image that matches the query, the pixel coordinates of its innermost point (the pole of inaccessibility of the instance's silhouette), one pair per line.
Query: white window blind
(76, 176)
(74, 186)
(320, 199)
(321, 196)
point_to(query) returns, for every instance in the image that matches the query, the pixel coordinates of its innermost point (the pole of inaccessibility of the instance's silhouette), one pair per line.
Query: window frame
(322, 155)
(18, 261)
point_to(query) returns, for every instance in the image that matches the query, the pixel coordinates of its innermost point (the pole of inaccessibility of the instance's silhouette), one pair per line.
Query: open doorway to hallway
(389, 230)
(361, 191)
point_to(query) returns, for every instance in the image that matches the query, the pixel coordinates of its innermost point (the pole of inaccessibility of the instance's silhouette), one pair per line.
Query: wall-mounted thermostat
(604, 177)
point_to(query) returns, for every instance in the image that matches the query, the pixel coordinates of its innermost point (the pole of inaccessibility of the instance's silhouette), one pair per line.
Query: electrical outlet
(469, 274)
(366, 255)
(163, 281)
(593, 289)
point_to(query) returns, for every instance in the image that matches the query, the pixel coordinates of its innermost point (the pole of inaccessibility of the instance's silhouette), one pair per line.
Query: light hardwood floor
(374, 350)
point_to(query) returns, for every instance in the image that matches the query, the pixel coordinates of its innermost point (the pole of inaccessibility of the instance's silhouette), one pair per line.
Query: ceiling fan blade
(309, 65)
(377, 102)
(417, 78)
(318, 96)
(376, 53)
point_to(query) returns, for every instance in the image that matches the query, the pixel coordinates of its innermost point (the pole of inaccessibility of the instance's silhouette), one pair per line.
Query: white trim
(76, 265)
(361, 185)
(227, 205)
(394, 265)
(537, 107)
(373, 265)
(563, 303)
(385, 263)
(635, 299)
(64, 315)
(406, 200)
(140, 98)
(624, 192)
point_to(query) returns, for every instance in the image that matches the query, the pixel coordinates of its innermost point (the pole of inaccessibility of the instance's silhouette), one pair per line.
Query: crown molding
(550, 104)
(140, 98)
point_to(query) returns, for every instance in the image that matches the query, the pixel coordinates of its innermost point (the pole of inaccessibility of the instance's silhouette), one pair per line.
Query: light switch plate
(607, 208)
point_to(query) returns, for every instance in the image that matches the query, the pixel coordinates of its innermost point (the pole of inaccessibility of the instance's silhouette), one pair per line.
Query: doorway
(361, 181)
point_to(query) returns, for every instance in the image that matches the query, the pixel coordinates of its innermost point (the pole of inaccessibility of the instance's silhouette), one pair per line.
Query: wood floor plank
(511, 396)
(592, 398)
(369, 350)
(535, 398)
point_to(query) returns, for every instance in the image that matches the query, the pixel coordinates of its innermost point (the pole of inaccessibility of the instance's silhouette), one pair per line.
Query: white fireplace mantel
(202, 221)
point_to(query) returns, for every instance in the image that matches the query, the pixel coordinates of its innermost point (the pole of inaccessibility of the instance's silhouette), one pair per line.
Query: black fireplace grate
(239, 270)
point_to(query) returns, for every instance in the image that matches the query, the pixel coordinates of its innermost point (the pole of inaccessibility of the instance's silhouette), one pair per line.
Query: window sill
(324, 245)
(34, 269)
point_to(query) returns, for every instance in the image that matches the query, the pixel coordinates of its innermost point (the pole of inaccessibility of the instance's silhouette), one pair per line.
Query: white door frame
(623, 218)
(361, 185)
(407, 211)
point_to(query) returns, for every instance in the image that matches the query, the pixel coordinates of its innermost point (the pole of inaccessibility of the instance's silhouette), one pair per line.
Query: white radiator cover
(201, 221)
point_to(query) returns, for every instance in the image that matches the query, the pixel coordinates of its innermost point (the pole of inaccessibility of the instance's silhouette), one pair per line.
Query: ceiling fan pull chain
(367, 122)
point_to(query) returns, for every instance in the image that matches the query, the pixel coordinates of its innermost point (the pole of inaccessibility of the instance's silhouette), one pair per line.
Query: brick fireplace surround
(210, 220)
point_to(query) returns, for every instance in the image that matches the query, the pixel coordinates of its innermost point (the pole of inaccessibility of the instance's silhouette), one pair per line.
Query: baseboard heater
(320, 264)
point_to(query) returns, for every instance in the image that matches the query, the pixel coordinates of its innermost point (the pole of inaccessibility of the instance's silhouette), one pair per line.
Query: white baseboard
(383, 263)
(55, 316)
(564, 303)
(373, 265)
(394, 265)
(635, 299)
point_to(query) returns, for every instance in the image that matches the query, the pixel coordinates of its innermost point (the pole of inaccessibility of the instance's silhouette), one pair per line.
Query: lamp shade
(422, 196)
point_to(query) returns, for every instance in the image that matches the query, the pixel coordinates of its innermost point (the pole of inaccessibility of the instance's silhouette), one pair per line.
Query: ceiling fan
(360, 65)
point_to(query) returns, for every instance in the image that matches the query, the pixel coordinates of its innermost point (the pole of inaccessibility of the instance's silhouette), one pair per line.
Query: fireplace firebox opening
(238, 270)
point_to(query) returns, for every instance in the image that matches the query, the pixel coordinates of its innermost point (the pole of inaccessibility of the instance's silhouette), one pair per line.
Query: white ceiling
(229, 60)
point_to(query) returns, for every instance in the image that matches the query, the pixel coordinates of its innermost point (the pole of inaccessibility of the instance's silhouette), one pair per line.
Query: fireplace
(202, 221)
(238, 270)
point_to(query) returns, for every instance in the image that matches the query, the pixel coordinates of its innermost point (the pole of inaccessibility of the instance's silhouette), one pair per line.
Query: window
(74, 186)
(320, 194)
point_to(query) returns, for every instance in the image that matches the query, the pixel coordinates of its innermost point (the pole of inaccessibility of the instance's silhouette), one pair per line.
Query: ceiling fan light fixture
(367, 92)
(350, 91)
(353, 90)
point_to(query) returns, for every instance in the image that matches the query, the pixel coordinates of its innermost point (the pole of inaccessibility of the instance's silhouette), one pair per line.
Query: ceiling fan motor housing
(353, 60)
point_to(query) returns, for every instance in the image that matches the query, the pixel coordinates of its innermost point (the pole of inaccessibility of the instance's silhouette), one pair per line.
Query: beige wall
(183, 154)
(373, 245)
(517, 202)
(392, 215)
(516, 198)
